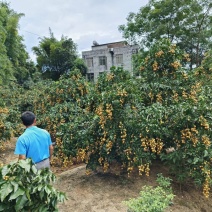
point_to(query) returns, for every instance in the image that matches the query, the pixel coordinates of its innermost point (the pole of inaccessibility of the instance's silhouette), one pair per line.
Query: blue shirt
(34, 143)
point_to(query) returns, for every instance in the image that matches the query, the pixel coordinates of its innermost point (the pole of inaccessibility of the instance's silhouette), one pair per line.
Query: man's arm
(51, 150)
(21, 157)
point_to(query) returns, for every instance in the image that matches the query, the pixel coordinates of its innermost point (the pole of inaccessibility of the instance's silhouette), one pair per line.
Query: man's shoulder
(22, 137)
(43, 130)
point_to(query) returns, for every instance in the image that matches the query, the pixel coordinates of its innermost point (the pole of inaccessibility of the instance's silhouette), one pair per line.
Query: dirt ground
(105, 192)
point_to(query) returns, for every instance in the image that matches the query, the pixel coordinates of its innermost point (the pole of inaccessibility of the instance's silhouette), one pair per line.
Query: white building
(103, 56)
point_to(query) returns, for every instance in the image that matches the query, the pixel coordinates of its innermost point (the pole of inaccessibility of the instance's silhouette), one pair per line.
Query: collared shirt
(34, 143)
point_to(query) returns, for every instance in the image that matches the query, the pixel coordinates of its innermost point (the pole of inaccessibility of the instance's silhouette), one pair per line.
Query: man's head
(28, 118)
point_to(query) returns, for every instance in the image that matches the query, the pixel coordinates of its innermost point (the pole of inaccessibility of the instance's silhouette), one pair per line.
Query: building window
(102, 60)
(89, 62)
(90, 77)
(119, 59)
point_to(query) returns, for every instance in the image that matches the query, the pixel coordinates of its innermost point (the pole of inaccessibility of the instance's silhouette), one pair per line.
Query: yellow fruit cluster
(176, 64)
(4, 110)
(100, 160)
(81, 154)
(172, 51)
(88, 172)
(153, 145)
(109, 109)
(185, 76)
(144, 168)
(103, 138)
(147, 169)
(122, 93)
(2, 126)
(159, 54)
(99, 111)
(146, 59)
(82, 88)
(189, 134)
(144, 142)
(155, 66)
(110, 76)
(123, 132)
(206, 141)
(204, 122)
(59, 91)
(6, 177)
(186, 57)
(175, 96)
(129, 169)
(142, 68)
(206, 185)
(156, 145)
(128, 153)
(184, 95)
(197, 87)
(67, 162)
(105, 166)
(193, 96)
(151, 95)
(159, 97)
(59, 144)
(76, 77)
(109, 146)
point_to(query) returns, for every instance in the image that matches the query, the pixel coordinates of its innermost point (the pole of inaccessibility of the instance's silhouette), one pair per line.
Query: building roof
(111, 45)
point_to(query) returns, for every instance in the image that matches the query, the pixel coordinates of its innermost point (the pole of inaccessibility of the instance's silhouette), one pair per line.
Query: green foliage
(14, 64)
(181, 117)
(114, 112)
(23, 188)
(153, 199)
(125, 119)
(6, 71)
(57, 57)
(186, 23)
(6, 130)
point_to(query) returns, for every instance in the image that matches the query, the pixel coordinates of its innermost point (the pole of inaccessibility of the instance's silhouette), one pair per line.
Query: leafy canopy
(14, 60)
(187, 23)
(57, 57)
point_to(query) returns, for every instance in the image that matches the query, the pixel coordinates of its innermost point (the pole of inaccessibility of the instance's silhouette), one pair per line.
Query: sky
(82, 20)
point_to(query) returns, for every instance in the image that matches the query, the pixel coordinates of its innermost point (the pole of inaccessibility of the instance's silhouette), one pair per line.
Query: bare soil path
(105, 192)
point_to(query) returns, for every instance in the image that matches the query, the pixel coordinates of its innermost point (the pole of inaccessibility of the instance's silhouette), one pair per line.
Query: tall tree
(13, 56)
(187, 23)
(6, 71)
(56, 57)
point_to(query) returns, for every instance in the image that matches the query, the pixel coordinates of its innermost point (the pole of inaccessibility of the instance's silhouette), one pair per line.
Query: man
(34, 143)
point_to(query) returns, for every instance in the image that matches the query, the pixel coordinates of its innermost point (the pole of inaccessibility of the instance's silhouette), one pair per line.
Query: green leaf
(25, 165)
(5, 170)
(195, 160)
(5, 190)
(15, 185)
(3, 207)
(20, 202)
(41, 194)
(40, 187)
(43, 208)
(27, 194)
(34, 169)
(16, 194)
(205, 153)
(47, 189)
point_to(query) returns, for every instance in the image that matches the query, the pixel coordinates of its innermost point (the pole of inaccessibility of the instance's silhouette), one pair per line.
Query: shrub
(23, 188)
(153, 199)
